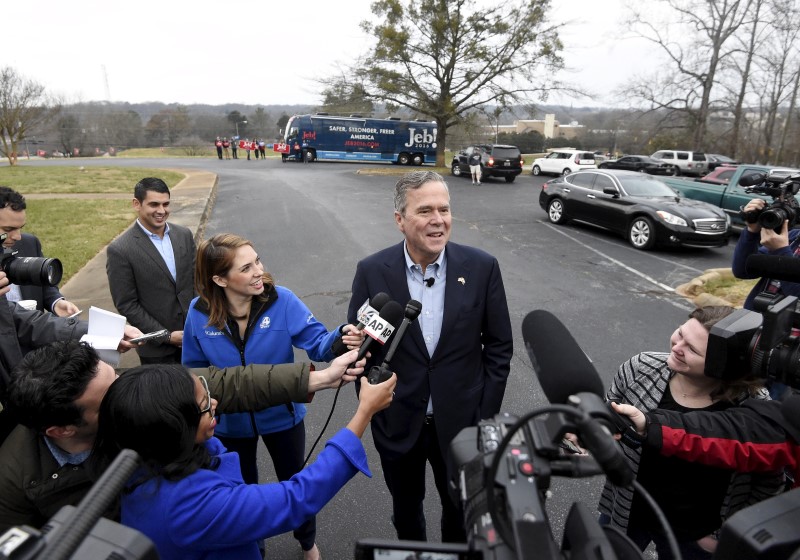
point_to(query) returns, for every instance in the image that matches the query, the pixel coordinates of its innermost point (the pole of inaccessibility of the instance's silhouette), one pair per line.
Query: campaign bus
(355, 138)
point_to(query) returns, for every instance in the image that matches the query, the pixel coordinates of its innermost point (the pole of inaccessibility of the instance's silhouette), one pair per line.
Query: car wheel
(510, 178)
(536, 170)
(676, 171)
(555, 211)
(642, 170)
(602, 166)
(455, 170)
(566, 171)
(641, 233)
(403, 159)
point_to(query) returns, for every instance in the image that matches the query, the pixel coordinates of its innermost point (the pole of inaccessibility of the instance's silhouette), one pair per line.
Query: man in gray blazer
(150, 271)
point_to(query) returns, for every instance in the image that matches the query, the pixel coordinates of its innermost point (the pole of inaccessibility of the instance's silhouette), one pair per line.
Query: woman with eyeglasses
(189, 497)
(241, 317)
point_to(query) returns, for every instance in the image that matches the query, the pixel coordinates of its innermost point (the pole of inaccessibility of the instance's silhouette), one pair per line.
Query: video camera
(781, 185)
(29, 271)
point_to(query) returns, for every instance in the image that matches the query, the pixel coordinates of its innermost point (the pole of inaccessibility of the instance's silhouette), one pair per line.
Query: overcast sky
(260, 52)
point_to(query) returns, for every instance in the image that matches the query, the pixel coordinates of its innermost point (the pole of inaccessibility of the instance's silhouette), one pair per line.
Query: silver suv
(684, 162)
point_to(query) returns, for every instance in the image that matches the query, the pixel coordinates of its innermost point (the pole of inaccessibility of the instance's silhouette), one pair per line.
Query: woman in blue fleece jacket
(189, 497)
(242, 317)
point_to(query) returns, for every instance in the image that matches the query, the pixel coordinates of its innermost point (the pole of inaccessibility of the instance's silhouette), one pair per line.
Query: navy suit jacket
(45, 296)
(142, 287)
(468, 371)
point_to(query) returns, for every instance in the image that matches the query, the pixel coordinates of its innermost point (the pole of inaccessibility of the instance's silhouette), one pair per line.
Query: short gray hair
(413, 181)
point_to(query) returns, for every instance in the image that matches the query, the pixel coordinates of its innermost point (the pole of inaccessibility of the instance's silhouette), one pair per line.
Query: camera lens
(34, 271)
(773, 218)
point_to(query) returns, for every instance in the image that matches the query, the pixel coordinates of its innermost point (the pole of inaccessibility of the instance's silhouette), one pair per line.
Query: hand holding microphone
(370, 309)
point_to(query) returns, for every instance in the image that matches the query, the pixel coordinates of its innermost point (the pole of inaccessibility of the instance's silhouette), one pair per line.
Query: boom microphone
(371, 307)
(562, 367)
(380, 328)
(774, 266)
(567, 376)
(752, 180)
(379, 374)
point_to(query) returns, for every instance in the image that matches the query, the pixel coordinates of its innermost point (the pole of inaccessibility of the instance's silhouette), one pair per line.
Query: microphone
(567, 376)
(412, 311)
(753, 179)
(429, 281)
(370, 308)
(380, 328)
(774, 266)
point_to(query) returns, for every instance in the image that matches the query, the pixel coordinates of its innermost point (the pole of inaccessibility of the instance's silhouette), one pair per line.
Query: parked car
(719, 176)
(715, 160)
(639, 206)
(684, 162)
(643, 164)
(563, 162)
(497, 160)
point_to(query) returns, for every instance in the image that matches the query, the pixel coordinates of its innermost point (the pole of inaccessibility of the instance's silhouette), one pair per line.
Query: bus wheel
(403, 159)
(417, 159)
(310, 156)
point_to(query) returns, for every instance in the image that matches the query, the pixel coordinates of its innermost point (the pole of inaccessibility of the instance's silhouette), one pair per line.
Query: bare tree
(24, 105)
(704, 29)
(444, 59)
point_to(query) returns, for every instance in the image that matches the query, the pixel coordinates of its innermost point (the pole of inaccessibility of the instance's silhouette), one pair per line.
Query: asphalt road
(311, 223)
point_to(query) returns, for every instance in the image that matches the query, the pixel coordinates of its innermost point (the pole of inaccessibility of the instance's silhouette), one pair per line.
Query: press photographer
(33, 277)
(769, 231)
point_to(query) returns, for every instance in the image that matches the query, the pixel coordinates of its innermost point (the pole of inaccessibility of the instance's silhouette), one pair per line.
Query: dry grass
(730, 289)
(67, 180)
(75, 230)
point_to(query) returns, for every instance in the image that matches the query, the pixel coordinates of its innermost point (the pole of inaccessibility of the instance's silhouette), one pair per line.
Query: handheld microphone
(380, 328)
(567, 376)
(774, 266)
(382, 373)
(370, 308)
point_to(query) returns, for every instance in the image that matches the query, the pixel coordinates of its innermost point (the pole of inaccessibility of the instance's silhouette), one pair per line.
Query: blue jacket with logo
(276, 326)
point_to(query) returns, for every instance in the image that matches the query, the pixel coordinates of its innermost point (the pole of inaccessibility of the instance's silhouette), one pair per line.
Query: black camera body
(765, 345)
(781, 186)
(29, 271)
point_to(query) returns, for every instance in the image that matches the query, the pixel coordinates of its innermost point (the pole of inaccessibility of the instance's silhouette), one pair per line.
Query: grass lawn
(75, 230)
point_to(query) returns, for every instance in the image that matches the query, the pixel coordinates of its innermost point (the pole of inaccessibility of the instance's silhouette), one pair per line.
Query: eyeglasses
(207, 408)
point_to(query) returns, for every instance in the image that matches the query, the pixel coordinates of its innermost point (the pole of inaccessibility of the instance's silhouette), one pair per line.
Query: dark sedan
(643, 164)
(642, 208)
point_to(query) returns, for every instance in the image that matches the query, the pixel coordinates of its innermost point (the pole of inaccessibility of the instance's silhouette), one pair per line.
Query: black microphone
(567, 376)
(753, 179)
(780, 267)
(429, 281)
(374, 306)
(381, 327)
(382, 373)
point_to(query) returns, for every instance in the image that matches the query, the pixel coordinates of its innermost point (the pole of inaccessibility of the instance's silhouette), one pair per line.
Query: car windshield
(505, 152)
(645, 186)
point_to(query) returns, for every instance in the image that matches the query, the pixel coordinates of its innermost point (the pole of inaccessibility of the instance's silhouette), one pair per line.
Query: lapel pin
(461, 279)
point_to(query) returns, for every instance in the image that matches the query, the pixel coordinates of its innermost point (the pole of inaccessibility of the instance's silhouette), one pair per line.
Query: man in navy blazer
(12, 220)
(150, 271)
(452, 364)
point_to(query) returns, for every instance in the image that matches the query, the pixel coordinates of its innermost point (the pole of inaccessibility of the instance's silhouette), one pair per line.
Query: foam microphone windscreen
(560, 364)
(774, 266)
(790, 408)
